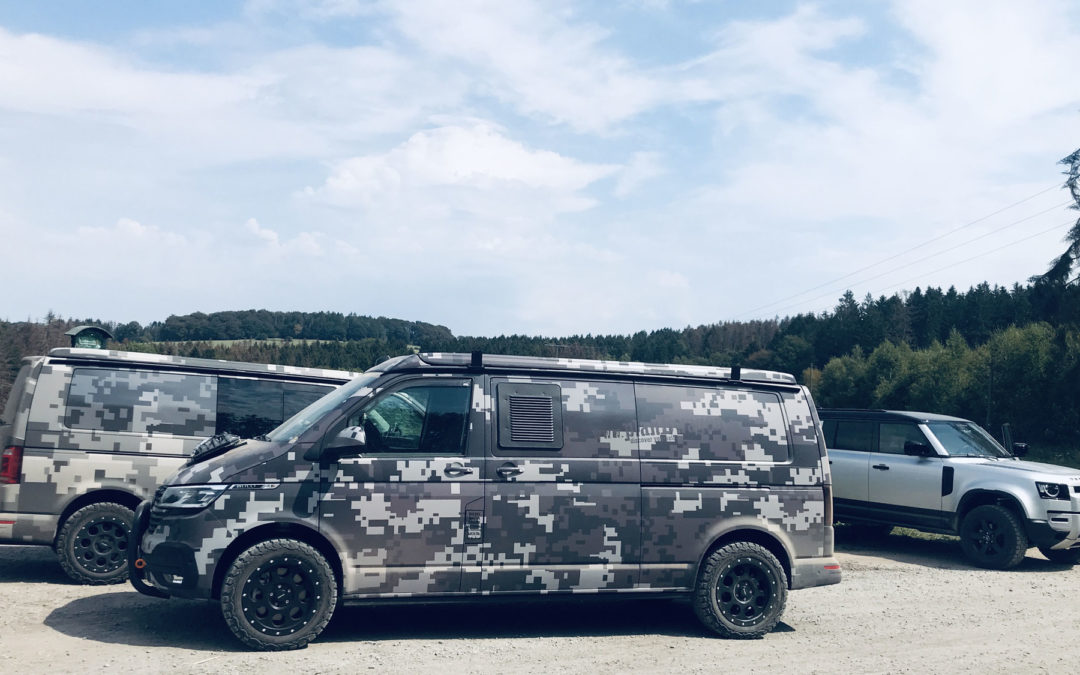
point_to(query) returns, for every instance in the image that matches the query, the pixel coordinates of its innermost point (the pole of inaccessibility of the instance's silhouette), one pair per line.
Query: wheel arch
(109, 495)
(289, 530)
(764, 538)
(983, 497)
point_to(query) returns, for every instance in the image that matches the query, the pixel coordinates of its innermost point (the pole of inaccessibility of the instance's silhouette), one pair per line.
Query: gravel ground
(906, 604)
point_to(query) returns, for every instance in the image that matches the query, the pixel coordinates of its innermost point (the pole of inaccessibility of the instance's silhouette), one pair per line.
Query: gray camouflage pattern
(652, 472)
(91, 421)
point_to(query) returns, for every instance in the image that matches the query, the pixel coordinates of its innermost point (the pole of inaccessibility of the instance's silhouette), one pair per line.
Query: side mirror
(1019, 449)
(918, 449)
(349, 439)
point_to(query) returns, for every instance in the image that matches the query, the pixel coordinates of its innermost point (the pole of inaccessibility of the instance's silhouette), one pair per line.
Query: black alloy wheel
(93, 543)
(992, 537)
(741, 591)
(278, 594)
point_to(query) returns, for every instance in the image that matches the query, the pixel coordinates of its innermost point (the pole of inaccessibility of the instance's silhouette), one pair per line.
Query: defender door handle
(882, 467)
(507, 470)
(456, 469)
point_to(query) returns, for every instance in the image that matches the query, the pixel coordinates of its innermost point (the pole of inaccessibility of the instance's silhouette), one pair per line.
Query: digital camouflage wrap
(573, 476)
(98, 425)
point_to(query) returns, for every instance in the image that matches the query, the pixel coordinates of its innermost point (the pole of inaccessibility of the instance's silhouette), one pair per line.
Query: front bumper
(1060, 531)
(168, 570)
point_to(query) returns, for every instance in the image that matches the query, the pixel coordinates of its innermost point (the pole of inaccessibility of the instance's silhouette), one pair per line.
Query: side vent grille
(530, 415)
(532, 419)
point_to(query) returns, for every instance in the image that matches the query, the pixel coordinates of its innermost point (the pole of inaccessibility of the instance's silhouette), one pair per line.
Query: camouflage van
(442, 476)
(87, 434)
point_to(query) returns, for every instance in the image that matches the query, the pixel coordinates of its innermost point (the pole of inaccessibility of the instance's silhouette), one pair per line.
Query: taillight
(828, 505)
(11, 464)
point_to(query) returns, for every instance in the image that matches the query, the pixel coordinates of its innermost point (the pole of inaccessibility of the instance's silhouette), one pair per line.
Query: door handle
(507, 470)
(882, 467)
(456, 470)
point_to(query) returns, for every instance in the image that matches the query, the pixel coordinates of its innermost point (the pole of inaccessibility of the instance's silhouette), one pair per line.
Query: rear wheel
(993, 537)
(1069, 556)
(92, 545)
(741, 591)
(279, 594)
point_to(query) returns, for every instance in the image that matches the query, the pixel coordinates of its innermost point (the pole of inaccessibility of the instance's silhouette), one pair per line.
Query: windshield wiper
(261, 437)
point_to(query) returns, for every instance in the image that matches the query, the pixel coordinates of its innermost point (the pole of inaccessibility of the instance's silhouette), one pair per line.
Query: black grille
(532, 419)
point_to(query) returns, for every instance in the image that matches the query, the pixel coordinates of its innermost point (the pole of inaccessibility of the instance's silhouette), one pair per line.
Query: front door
(398, 507)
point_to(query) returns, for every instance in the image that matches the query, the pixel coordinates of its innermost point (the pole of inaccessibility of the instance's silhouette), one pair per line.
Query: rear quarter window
(141, 402)
(852, 435)
(711, 423)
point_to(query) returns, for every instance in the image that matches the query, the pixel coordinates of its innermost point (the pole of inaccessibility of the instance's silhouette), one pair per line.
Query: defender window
(893, 436)
(425, 418)
(850, 435)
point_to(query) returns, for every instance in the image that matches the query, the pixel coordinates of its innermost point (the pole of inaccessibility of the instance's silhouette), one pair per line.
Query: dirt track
(906, 604)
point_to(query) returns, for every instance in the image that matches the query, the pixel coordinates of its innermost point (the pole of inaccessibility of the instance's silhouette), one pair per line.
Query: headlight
(190, 496)
(1052, 490)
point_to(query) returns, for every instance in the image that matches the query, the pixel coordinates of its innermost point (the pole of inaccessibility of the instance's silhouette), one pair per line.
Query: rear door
(562, 507)
(908, 486)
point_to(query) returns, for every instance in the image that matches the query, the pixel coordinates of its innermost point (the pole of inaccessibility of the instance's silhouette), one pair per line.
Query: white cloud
(472, 169)
(535, 55)
(643, 167)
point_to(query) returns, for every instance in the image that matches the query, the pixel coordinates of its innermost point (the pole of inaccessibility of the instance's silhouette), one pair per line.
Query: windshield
(302, 421)
(966, 439)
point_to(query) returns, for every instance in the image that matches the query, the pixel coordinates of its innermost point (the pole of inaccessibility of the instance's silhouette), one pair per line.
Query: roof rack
(508, 362)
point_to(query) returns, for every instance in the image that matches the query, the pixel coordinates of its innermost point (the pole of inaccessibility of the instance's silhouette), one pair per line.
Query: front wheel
(278, 594)
(741, 591)
(1069, 556)
(92, 544)
(993, 537)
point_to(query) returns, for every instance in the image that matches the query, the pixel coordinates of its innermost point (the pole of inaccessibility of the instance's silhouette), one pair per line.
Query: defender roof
(885, 415)
(103, 357)
(525, 364)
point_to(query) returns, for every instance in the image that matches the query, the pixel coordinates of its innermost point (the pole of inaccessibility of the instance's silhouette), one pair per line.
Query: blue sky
(527, 167)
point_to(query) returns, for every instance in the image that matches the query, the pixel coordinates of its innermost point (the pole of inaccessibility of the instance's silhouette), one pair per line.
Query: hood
(1031, 467)
(219, 469)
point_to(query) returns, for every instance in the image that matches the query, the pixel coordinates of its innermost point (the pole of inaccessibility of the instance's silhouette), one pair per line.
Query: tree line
(991, 353)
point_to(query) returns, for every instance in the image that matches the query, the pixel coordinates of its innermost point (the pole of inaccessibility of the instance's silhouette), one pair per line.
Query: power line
(954, 264)
(906, 251)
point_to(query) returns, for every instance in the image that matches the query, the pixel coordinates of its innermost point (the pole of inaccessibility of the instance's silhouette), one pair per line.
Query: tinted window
(828, 430)
(893, 437)
(299, 396)
(141, 402)
(423, 419)
(248, 408)
(852, 435)
(709, 423)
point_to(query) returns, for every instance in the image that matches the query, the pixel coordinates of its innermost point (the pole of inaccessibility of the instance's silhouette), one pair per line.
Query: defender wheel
(92, 544)
(278, 594)
(741, 591)
(993, 537)
(1069, 556)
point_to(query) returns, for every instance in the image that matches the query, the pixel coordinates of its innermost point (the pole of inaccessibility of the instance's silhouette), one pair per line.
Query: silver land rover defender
(945, 474)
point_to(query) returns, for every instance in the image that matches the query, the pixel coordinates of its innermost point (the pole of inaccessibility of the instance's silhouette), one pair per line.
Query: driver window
(893, 437)
(423, 419)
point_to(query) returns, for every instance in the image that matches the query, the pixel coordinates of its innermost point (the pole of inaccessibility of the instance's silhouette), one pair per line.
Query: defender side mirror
(918, 449)
(1019, 449)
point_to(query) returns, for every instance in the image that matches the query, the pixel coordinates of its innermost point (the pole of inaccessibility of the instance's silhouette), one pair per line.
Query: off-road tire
(92, 544)
(741, 591)
(279, 594)
(1069, 556)
(993, 537)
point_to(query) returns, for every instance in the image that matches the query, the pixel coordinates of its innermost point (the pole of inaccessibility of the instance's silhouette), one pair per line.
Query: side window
(893, 437)
(423, 419)
(711, 423)
(299, 396)
(852, 435)
(530, 415)
(828, 430)
(248, 408)
(101, 399)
